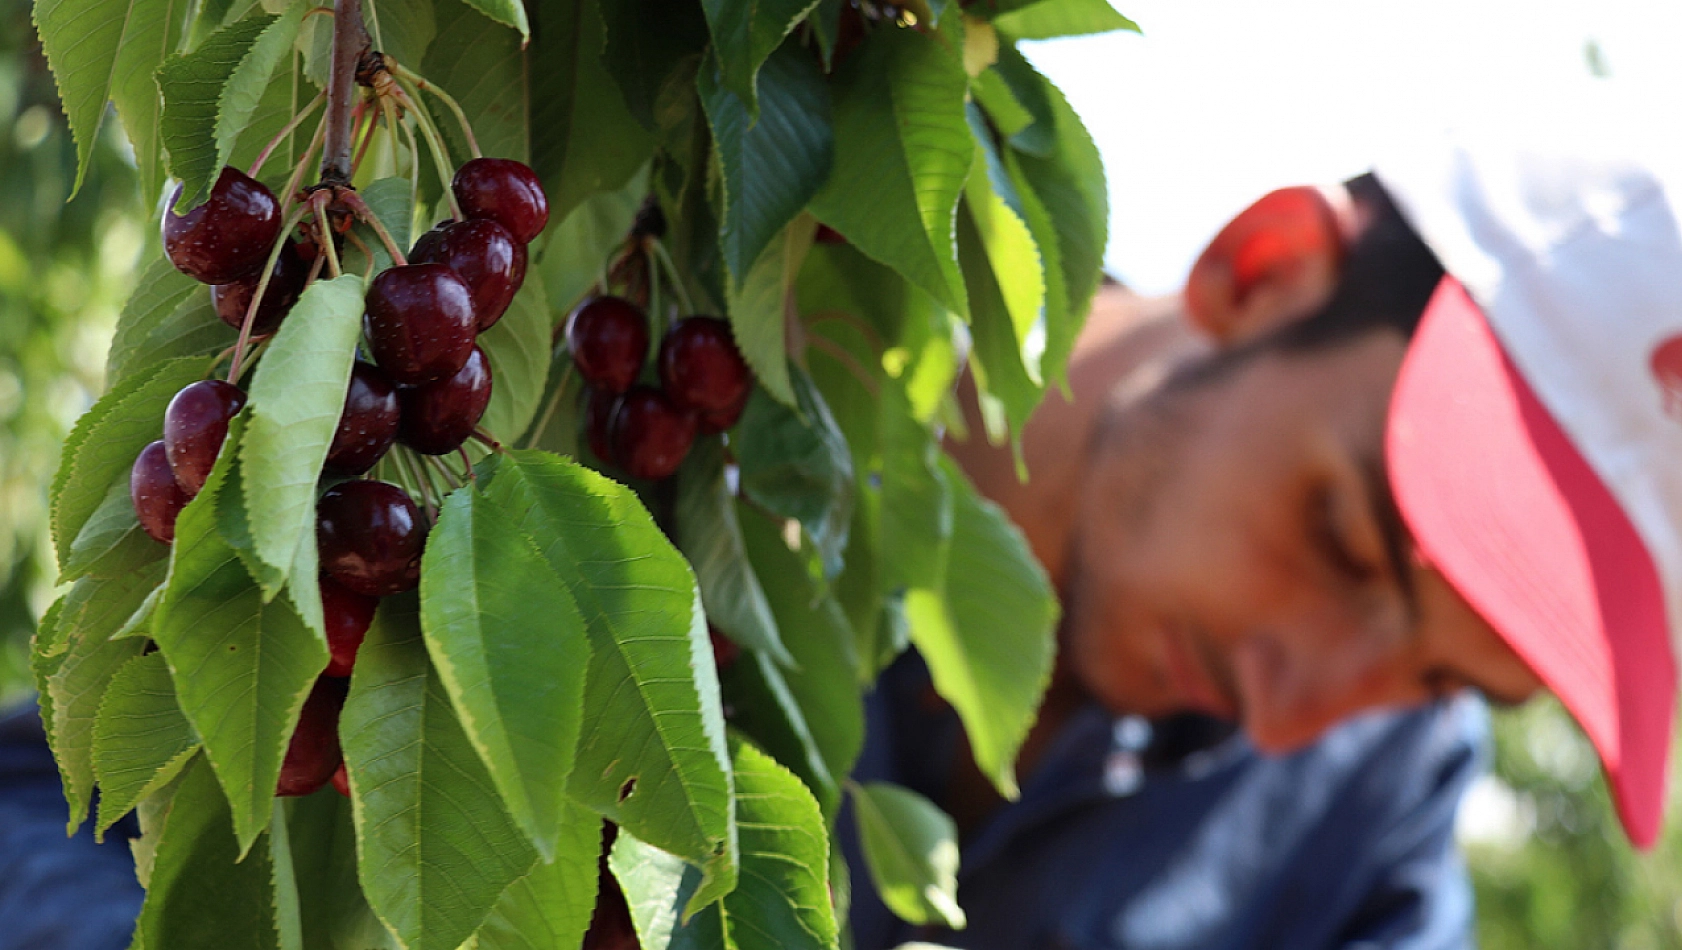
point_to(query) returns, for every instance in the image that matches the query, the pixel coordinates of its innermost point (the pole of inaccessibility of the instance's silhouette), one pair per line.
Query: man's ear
(1274, 263)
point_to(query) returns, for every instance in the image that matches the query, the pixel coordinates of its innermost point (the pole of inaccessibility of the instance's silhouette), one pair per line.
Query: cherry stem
(847, 360)
(350, 41)
(238, 361)
(368, 129)
(536, 433)
(368, 272)
(450, 478)
(653, 302)
(416, 475)
(467, 464)
(673, 275)
(410, 78)
(354, 201)
(319, 202)
(263, 156)
(392, 122)
(434, 144)
(484, 438)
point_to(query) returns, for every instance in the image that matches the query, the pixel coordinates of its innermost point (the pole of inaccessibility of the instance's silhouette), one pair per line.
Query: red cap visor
(1501, 501)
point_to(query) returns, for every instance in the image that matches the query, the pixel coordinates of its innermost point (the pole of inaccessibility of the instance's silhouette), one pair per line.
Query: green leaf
(902, 152)
(584, 140)
(651, 753)
(209, 93)
(1052, 18)
(574, 251)
(915, 521)
(296, 397)
(649, 43)
(1000, 365)
(74, 666)
(102, 447)
(436, 848)
(823, 682)
(252, 77)
(773, 163)
(206, 889)
(1011, 250)
(797, 464)
(518, 350)
(168, 315)
(392, 201)
(1029, 89)
(911, 849)
(334, 914)
(481, 64)
(141, 741)
(782, 902)
(825, 22)
(551, 906)
(242, 667)
(111, 541)
(511, 649)
(987, 633)
(762, 303)
(109, 50)
(709, 536)
(1068, 183)
(507, 12)
(1006, 112)
(745, 34)
(401, 29)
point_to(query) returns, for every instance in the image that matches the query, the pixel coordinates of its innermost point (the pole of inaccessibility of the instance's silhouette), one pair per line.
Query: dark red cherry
(701, 368)
(608, 337)
(503, 191)
(368, 425)
(348, 616)
(226, 237)
(725, 650)
(420, 323)
(484, 256)
(599, 407)
(370, 535)
(341, 781)
(611, 927)
(157, 496)
(828, 235)
(286, 282)
(649, 435)
(427, 244)
(313, 755)
(195, 425)
(438, 417)
(714, 421)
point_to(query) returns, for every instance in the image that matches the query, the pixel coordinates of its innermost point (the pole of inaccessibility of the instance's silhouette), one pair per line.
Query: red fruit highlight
(438, 417)
(196, 425)
(226, 237)
(368, 424)
(649, 435)
(700, 367)
(485, 256)
(370, 534)
(608, 337)
(348, 616)
(420, 323)
(286, 283)
(504, 191)
(313, 755)
(158, 498)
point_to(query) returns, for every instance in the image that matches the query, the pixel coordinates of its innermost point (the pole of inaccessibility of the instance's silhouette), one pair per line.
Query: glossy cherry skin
(649, 435)
(195, 426)
(368, 424)
(608, 337)
(427, 244)
(348, 616)
(484, 256)
(438, 417)
(313, 755)
(420, 323)
(599, 409)
(286, 282)
(700, 367)
(226, 237)
(504, 191)
(370, 535)
(157, 496)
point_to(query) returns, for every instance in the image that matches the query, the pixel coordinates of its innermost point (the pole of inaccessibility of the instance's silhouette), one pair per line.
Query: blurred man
(1419, 433)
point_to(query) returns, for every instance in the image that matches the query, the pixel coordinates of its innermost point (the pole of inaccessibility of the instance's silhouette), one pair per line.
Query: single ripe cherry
(649, 435)
(157, 496)
(286, 282)
(484, 256)
(608, 337)
(313, 755)
(341, 781)
(427, 244)
(700, 367)
(438, 417)
(420, 323)
(504, 191)
(368, 425)
(714, 421)
(599, 408)
(195, 425)
(370, 535)
(226, 237)
(348, 616)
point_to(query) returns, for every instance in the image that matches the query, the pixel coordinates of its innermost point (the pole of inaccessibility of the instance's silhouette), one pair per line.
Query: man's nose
(1291, 697)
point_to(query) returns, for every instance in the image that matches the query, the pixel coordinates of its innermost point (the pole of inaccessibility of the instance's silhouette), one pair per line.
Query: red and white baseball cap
(1535, 436)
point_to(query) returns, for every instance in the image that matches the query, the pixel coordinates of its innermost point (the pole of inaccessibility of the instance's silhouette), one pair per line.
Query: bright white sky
(1220, 101)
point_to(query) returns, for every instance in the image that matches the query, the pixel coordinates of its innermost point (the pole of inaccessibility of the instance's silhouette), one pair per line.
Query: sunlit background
(1218, 102)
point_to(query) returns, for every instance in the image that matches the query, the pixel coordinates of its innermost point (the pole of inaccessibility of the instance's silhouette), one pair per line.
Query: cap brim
(1501, 501)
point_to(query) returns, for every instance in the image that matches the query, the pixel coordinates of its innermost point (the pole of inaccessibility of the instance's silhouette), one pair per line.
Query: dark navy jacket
(1180, 836)
(56, 893)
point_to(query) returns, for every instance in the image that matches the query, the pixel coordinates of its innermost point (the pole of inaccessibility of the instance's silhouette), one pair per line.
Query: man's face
(1237, 552)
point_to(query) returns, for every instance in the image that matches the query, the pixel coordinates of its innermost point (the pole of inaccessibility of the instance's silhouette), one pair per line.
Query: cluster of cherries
(647, 429)
(428, 387)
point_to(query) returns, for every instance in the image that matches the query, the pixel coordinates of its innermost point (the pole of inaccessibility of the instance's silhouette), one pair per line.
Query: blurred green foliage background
(1551, 867)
